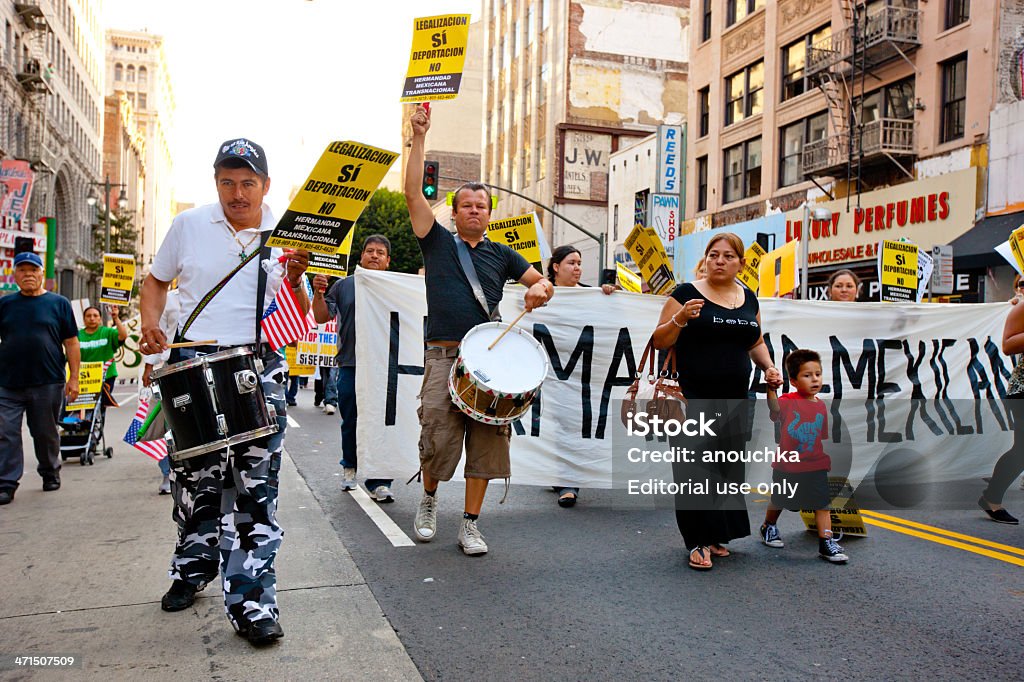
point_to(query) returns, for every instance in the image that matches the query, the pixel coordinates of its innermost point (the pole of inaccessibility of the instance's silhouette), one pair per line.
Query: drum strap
(466, 261)
(205, 300)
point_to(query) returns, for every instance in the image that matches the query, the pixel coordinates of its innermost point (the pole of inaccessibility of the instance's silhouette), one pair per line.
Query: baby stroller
(81, 429)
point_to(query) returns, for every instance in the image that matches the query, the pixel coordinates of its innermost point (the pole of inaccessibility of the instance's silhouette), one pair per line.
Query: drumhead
(201, 360)
(516, 365)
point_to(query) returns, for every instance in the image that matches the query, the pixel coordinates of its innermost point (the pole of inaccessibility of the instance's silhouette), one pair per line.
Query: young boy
(804, 421)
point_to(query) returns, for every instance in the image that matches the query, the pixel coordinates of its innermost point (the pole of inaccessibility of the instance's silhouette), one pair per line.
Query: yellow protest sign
(118, 278)
(777, 273)
(332, 264)
(518, 233)
(628, 280)
(660, 246)
(90, 386)
(324, 211)
(649, 258)
(845, 517)
(1017, 247)
(437, 57)
(897, 264)
(294, 368)
(751, 272)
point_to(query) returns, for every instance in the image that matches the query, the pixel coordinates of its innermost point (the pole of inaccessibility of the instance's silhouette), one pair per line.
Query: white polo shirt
(199, 250)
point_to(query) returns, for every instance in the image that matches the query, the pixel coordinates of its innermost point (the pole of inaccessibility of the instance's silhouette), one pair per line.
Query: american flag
(157, 449)
(283, 322)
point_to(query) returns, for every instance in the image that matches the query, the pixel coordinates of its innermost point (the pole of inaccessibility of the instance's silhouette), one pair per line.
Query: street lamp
(122, 203)
(816, 213)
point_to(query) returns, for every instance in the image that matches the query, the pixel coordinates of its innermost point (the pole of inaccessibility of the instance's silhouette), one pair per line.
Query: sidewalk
(84, 569)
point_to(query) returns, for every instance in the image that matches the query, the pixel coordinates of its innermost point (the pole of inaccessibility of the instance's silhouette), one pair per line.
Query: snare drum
(213, 401)
(497, 386)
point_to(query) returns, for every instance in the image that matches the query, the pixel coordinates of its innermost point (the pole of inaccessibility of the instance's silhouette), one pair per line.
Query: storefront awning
(976, 247)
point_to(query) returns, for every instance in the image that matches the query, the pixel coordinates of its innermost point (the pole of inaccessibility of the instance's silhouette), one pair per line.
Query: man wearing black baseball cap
(37, 331)
(226, 501)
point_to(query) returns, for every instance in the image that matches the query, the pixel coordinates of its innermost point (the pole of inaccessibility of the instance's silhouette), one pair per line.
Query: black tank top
(712, 351)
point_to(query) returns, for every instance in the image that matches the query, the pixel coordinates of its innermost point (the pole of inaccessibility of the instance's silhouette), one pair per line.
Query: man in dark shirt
(340, 302)
(452, 310)
(37, 330)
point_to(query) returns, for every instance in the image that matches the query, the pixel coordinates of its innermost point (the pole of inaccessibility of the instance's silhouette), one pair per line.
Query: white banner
(875, 356)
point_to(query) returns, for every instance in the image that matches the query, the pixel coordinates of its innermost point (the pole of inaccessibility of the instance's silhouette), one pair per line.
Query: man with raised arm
(452, 310)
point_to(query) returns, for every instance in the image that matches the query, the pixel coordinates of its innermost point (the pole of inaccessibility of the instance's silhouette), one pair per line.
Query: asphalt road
(601, 592)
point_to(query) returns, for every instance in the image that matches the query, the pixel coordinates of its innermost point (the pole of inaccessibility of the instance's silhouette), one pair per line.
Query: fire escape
(34, 73)
(873, 35)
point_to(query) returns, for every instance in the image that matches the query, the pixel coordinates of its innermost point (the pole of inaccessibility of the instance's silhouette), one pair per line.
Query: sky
(291, 75)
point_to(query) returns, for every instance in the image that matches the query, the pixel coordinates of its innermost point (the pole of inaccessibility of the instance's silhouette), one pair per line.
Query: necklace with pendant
(242, 247)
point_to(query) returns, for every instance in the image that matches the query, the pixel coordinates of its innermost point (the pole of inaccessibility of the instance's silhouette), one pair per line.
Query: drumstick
(507, 329)
(189, 344)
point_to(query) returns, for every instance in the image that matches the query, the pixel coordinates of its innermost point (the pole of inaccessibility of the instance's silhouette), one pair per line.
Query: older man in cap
(226, 501)
(38, 333)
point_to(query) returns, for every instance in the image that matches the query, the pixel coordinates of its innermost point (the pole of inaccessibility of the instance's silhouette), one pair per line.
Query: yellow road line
(945, 541)
(943, 531)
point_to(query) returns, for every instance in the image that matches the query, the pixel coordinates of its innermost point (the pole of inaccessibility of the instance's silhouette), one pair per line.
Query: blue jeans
(330, 375)
(293, 389)
(347, 410)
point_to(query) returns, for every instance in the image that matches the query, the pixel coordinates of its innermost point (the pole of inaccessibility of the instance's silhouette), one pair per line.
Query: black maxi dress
(714, 373)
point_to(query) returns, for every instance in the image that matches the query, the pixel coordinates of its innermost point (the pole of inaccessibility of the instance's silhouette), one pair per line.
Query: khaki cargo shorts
(444, 429)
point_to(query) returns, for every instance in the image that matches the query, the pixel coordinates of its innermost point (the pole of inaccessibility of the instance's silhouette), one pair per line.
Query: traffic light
(430, 174)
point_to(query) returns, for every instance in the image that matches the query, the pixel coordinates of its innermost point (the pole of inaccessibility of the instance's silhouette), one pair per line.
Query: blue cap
(28, 257)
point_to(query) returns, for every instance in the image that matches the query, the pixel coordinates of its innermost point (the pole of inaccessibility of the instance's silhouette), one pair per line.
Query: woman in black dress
(715, 326)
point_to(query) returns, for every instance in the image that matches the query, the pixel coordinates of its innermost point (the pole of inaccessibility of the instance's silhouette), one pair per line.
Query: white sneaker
(425, 524)
(383, 494)
(328, 409)
(348, 478)
(165, 486)
(470, 540)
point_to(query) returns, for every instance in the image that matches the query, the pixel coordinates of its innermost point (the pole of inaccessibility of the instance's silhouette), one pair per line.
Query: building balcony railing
(885, 137)
(881, 35)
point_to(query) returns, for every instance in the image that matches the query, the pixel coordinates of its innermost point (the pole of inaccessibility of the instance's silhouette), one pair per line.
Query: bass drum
(213, 401)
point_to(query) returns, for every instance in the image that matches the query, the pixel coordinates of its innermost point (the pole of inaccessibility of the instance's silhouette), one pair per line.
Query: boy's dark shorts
(811, 490)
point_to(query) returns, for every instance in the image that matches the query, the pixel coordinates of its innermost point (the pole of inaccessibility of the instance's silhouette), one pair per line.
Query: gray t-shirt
(341, 304)
(452, 309)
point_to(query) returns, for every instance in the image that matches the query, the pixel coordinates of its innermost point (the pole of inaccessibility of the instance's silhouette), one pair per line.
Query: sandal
(705, 561)
(719, 551)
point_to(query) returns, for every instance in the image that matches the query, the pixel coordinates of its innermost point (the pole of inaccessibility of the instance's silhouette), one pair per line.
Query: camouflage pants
(225, 506)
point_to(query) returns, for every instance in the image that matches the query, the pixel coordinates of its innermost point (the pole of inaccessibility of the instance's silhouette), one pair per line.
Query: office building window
(640, 207)
(615, 223)
(742, 176)
(738, 10)
(702, 183)
(744, 91)
(794, 62)
(706, 24)
(895, 100)
(704, 103)
(118, 72)
(792, 139)
(954, 97)
(957, 12)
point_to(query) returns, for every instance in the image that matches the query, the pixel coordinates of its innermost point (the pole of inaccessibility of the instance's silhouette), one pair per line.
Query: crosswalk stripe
(384, 523)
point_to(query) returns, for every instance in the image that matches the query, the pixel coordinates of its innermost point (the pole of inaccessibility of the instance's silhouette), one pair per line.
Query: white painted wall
(1006, 157)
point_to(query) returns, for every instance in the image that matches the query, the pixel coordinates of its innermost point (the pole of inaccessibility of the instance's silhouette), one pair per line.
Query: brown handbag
(656, 394)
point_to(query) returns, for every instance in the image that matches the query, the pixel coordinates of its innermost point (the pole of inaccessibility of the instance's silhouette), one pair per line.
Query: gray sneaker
(470, 539)
(165, 486)
(348, 478)
(425, 524)
(382, 494)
